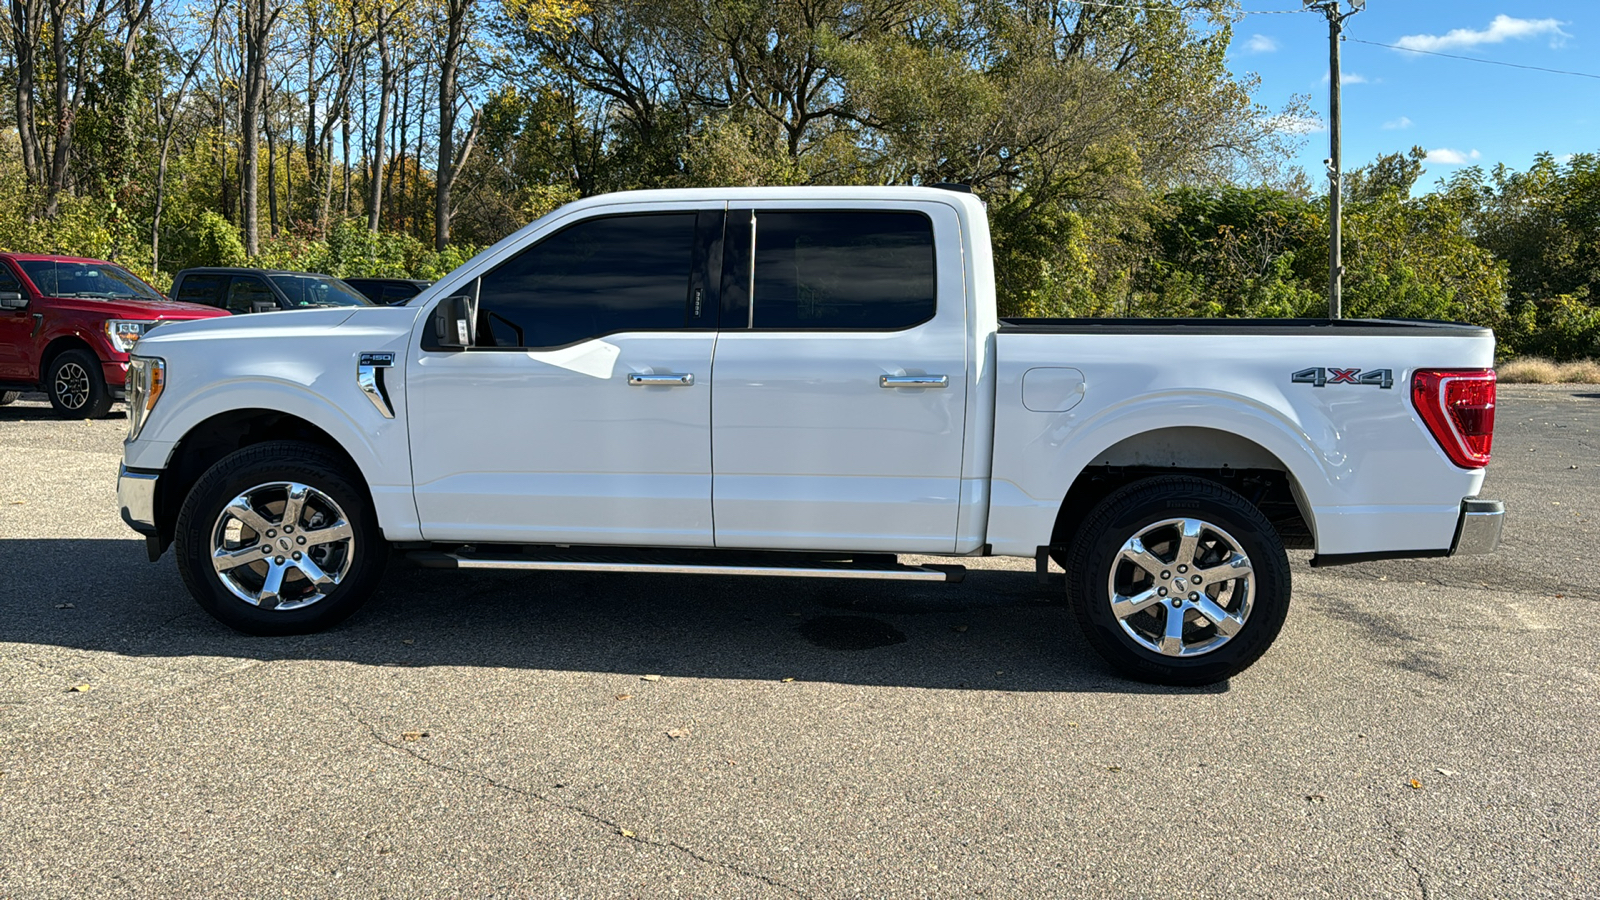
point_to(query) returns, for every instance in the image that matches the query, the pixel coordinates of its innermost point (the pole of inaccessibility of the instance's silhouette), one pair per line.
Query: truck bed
(1351, 327)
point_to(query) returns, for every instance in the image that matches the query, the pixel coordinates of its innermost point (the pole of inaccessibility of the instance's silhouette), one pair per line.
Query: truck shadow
(35, 407)
(998, 630)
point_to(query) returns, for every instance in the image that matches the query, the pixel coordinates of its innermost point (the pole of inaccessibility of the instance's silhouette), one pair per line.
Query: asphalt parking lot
(1422, 728)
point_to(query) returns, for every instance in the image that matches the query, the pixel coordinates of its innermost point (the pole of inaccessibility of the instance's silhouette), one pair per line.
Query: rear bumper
(1477, 532)
(1479, 529)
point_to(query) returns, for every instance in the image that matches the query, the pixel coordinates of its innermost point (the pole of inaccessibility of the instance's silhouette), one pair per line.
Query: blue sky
(1463, 113)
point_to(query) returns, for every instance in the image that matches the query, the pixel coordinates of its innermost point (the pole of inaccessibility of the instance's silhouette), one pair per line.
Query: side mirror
(263, 306)
(12, 300)
(453, 321)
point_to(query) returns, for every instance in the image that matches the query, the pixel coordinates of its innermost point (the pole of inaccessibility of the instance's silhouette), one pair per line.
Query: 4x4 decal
(1323, 376)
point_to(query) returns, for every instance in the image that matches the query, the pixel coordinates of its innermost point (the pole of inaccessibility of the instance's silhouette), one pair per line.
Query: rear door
(839, 390)
(204, 288)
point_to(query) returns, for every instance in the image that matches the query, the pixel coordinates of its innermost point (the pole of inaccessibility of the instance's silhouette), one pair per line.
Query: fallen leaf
(408, 641)
(958, 628)
(1447, 772)
(18, 502)
(1416, 785)
(1561, 596)
(65, 606)
(1113, 768)
(80, 689)
(1316, 798)
(625, 832)
(413, 735)
(649, 677)
(1072, 724)
(624, 696)
(787, 680)
(677, 733)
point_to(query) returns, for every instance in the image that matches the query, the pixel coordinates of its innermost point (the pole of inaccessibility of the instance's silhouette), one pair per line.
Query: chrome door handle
(913, 381)
(673, 380)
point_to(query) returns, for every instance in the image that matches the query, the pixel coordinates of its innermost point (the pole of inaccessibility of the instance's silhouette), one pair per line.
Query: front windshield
(101, 281)
(318, 290)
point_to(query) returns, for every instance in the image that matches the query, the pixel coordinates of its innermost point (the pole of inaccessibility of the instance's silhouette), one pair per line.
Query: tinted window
(246, 291)
(206, 289)
(317, 290)
(625, 273)
(8, 281)
(398, 293)
(843, 270)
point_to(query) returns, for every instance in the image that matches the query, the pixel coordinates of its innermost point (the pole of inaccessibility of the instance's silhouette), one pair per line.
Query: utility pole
(1330, 8)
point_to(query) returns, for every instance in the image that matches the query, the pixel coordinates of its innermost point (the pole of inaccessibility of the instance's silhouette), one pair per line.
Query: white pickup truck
(801, 382)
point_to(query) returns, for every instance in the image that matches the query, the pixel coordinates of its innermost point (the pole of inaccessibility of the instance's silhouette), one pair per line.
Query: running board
(785, 565)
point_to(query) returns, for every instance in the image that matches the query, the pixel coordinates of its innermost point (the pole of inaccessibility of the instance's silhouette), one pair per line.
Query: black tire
(9, 397)
(77, 386)
(261, 472)
(1255, 603)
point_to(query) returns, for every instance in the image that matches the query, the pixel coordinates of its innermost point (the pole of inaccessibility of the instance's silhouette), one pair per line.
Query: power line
(1490, 62)
(1247, 12)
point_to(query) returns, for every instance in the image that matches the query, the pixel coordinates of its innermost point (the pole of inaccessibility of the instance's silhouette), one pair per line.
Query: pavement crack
(553, 802)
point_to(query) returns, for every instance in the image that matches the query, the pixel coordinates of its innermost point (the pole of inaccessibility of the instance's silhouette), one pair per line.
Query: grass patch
(1538, 370)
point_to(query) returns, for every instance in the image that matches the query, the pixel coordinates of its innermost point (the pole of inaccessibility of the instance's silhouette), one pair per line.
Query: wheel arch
(1225, 457)
(223, 433)
(59, 345)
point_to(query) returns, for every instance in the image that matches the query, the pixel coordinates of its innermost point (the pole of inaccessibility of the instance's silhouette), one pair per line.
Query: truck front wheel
(278, 538)
(1178, 580)
(76, 386)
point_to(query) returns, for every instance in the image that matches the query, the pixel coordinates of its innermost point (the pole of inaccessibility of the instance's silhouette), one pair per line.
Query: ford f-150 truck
(801, 382)
(67, 324)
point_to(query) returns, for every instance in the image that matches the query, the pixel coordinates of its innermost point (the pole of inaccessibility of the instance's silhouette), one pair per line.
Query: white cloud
(1565, 158)
(1397, 124)
(1503, 28)
(1260, 43)
(1347, 78)
(1447, 157)
(1297, 124)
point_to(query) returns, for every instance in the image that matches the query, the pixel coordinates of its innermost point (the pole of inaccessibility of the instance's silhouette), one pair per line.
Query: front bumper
(136, 494)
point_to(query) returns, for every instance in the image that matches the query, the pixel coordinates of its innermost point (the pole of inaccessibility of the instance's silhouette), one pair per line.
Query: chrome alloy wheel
(1181, 587)
(72, 385)
(282, 545)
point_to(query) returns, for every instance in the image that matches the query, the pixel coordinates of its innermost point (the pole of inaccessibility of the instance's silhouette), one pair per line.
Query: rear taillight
(1458, 407)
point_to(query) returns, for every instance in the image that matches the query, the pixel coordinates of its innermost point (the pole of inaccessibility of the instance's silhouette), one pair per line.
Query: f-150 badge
(1324, 376)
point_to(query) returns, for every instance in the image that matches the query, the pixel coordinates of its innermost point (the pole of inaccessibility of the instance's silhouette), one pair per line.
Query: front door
(17, 352)
(839, 393)
(582, 412)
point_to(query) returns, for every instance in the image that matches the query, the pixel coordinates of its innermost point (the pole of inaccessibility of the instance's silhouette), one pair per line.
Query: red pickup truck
(67, 324)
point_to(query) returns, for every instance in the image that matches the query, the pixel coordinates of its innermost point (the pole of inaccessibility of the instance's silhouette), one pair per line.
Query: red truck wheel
(76, 387)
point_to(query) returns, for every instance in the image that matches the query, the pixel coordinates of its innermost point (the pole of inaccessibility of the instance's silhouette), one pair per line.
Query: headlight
(124, 333)
(147, 378)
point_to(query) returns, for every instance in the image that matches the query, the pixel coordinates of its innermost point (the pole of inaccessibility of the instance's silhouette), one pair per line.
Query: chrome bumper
(136, 494)
(1479, 528)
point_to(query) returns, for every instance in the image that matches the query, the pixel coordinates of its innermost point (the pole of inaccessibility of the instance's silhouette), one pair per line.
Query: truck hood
(143, 310)
(294, 323)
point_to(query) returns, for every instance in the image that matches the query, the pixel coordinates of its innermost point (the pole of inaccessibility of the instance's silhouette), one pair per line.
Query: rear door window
(245, 291)
(204, 289)
(843, 271)
(597, 277)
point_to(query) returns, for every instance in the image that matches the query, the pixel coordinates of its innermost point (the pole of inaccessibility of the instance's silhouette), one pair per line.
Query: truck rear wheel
(76, 386)
(279, 538)
(1178, 580)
